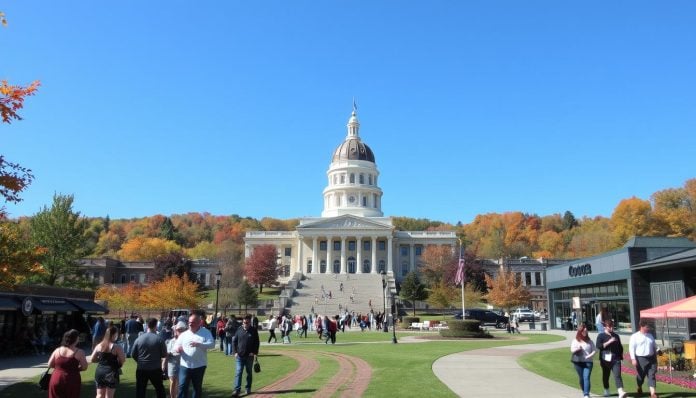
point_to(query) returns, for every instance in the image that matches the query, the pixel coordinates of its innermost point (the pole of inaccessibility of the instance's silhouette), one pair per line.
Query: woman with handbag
(610, 356)
(109, 358)
(583, 349)
(68, 361)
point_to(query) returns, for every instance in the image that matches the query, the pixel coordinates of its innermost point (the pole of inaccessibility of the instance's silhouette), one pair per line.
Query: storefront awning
(8, 304)
(89, 307)
(49, 305)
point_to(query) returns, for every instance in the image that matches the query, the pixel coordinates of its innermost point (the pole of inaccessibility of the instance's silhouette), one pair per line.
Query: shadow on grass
(290, 391)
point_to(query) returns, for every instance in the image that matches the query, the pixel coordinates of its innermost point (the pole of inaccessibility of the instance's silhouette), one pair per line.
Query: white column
(315, 257)
(343, 255)
(300, 265)
(374, 255)
(390, 266)
(329, 250)
(412, 252)
(358, 255)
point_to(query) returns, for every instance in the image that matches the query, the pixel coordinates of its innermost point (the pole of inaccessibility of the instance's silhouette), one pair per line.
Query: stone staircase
(366, 289)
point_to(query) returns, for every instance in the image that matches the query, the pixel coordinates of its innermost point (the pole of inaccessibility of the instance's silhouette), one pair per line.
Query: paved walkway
(494, 372)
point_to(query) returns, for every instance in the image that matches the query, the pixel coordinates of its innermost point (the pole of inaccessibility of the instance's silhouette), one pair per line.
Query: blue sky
(227, 107)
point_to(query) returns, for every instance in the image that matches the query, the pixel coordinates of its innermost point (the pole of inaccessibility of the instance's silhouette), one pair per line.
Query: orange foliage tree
(505, 290)
(261, 267)
(171, 292)
(19, 260)
(141, 248)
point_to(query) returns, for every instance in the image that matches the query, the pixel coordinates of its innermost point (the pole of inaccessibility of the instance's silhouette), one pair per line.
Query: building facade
(352, 236)
(107, 270)
(645, 272)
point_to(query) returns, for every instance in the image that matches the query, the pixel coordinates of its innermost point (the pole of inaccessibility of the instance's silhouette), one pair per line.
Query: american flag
(459, 278)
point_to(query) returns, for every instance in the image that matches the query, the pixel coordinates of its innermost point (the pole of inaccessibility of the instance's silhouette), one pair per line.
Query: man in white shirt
(642, 348)
(193, 345)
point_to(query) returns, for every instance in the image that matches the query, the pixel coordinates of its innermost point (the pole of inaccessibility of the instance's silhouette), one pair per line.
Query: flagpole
(463, 279)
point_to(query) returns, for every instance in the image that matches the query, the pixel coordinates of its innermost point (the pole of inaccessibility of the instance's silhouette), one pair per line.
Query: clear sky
(235, 107)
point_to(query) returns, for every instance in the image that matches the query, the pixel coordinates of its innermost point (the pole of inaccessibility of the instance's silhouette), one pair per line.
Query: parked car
(486, 317)
(524, 315)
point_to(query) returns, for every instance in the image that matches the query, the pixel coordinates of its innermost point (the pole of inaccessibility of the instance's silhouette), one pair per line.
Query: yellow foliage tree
(506, 290)
(171, 292)
(120, 299)
(141, 248)
(19, 260)
(631, 217)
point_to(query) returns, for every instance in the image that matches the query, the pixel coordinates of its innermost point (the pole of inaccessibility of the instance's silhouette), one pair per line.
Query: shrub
(468, 328)
(408, 320)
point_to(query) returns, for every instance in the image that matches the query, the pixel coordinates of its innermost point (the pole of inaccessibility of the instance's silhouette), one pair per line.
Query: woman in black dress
(110, 357)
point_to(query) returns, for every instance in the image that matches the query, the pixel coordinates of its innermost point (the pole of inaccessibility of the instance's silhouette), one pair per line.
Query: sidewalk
(494, 372)
(16, 369)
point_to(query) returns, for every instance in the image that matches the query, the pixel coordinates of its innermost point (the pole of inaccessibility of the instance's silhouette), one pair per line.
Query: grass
(555, 365)
(391, 365)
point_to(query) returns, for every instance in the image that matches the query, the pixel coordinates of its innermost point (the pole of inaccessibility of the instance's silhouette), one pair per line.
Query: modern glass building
(624, 281)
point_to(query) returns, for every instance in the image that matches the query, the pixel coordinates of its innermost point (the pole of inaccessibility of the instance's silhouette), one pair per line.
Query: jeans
(584, 370)
(244, 364)
(228, 345)
(154, 376)
(193, 376)
(130, 340)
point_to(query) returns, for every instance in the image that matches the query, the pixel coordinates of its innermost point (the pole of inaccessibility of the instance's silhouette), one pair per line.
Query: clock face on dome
(351, 199)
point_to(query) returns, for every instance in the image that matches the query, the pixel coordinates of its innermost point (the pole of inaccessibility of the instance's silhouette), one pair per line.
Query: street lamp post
(394, 321)
(217, 297)
(384, 297)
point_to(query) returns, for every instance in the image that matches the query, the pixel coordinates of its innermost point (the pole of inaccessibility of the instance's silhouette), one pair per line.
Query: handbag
(45, 380)
(257, 366)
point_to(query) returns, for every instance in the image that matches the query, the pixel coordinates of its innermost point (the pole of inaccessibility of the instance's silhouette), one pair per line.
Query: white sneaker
(606, 392)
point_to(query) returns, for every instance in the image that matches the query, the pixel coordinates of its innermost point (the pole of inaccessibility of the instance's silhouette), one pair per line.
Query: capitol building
(352, 236)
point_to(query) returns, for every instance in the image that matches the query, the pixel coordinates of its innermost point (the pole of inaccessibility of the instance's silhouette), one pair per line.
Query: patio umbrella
(684, 308)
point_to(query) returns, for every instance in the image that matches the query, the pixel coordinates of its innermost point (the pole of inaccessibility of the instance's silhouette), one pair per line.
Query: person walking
(173, 359)
(132, 328)
(610, 356)
(245, 346)
(109, 358)
(230, 330)
(98, 331)
(193, 345)
(583, 350)
(272, 325)
(150, 353)
(68, 361)
(642, 349)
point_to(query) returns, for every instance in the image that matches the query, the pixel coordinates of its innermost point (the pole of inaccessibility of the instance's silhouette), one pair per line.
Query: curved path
(351, 380)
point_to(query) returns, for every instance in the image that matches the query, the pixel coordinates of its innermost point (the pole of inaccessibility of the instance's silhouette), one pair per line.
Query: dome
(353, 149)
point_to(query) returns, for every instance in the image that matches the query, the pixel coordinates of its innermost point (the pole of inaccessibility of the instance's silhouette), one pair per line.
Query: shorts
(173, 369)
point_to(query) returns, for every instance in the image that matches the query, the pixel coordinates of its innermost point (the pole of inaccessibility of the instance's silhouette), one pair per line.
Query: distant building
(107, 270)
(352, 236)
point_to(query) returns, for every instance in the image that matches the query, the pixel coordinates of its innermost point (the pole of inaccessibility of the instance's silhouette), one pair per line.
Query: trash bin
(543, 326)
(532, 326)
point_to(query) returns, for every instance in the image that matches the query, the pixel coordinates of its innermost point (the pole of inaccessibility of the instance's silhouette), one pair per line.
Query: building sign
(579, 270)
(27, 306)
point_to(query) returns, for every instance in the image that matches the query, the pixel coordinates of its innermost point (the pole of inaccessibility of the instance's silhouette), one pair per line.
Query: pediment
(345, 222)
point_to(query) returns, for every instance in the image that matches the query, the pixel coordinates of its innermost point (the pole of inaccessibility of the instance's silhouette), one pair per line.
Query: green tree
(247, 295)
(61, 232)
(413, 290)
(569, 220)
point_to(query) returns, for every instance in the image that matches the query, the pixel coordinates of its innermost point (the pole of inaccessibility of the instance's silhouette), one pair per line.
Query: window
(322, 245)
(335, 179)
(337, 245)
(123, 279)
(351, 265)
(537, 278)
(419, 250)
(381, 266)
(374, 200)
(338, 200)
(404, 268)
(337, 267)
(352, 178)
(381, 245)
(404, 250)
(366, 266)
(322, 266)
(364, 201)
(366, 245)
(369, 179)
(343, 178)
(309, 266)
(132, 278)
(528, 278)
(362, 178)
(351, 245)
(96, 276)
(286, 270)
(288, 251)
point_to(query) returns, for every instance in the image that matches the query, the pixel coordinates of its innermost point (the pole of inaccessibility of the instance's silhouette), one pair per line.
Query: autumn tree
(147, 249)
(19, 259)
(631, 217)
(505, 290)
(61, 232)
(675, 211)
(438, 263)
(172, 264)
(120, 299)
(261, 268)
(171, 292)
(413, 290)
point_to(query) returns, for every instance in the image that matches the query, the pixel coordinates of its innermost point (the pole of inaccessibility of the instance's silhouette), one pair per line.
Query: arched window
(381, 266)
(309, 267)
(352, 178)
(322, 266)
(364, 201)
(366, 266)
(351, 265)
(369, 179)
(337, 267)
(404, 268)
(362, 178)
(343, 178)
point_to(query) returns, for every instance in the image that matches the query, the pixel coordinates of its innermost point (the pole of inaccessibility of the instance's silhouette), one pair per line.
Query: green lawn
(392, 366)
(555, 365)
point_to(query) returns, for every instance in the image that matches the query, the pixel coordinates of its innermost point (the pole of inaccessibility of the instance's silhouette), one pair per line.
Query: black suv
(486, 317)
